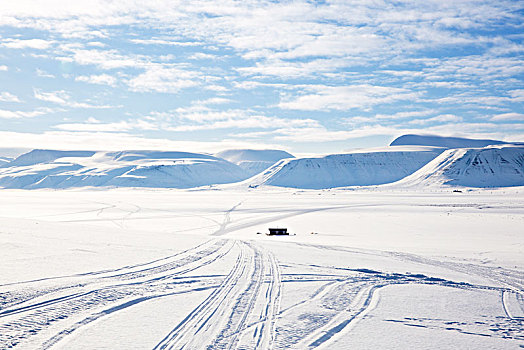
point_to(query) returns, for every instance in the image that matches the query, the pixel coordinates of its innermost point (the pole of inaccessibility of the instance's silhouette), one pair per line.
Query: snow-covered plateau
(376, 268)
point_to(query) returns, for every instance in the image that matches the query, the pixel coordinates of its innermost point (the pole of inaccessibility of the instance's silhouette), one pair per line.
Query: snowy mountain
(5, 160)
(495, 166)
(254, 161)
(352, 169)
(65, 169)
(397, 166)
(440, 141)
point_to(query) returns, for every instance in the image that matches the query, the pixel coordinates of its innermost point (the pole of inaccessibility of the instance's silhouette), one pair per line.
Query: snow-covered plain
(172, 269)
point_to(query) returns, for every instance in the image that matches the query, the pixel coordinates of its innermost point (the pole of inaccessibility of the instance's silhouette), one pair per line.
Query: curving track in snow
(241, 309)
(242, 304)
(240, 313)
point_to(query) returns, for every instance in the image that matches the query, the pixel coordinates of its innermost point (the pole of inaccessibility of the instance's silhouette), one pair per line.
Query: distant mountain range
(410, 161)
(66, 169)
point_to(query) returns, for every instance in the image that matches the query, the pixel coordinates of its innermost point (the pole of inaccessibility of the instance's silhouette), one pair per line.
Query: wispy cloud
(121, 126)
(43, 74)
(26, 43)
(8, 114)
(102, 79)
(508, 117)
(345, 97)
(202, 117)
(161, 79)
(62, 98)
(444, 118)
(8, 97)
(157, 41)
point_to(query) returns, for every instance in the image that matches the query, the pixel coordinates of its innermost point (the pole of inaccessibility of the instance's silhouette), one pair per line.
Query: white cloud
(161, 79)
(8, 97)
(202, 117)
(105, 59)
(517, 95)
(27, 43)
(359, 120)
(8, 114)
(508, 117)
(203, 56)
(157, 41)
(345, 97)
(3, 68)
(212, 101)
(102, 79)
(96, 44)
(216, 88)
(108, 141)
(444, 118)
(291, 69)
(44, 74)
(107, 127)
(62, 98)
(246, 122)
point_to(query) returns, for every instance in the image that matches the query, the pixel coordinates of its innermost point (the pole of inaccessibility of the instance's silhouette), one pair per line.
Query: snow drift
(495, 166)
(352, 169)
(254, 161)
(66, 169)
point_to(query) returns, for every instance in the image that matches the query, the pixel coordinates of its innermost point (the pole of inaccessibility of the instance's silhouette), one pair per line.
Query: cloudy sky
(306, 76)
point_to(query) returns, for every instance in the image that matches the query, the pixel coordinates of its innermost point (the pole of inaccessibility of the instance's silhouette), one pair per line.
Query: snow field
(168, 269)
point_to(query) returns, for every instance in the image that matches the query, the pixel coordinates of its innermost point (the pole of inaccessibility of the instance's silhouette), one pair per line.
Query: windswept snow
(441, 141)
(475, 167)
(65, 169)
(337, 170)
(254, 161)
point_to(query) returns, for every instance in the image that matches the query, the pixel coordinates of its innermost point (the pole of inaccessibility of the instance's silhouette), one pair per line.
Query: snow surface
(442, 141)
(253, 161)
(338, 170)
(65, 169)
(171, 269)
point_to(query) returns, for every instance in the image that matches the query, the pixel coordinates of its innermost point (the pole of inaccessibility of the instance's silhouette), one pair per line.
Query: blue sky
(305, 76)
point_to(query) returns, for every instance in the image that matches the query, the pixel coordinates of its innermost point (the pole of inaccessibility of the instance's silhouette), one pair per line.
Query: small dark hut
(278, 231)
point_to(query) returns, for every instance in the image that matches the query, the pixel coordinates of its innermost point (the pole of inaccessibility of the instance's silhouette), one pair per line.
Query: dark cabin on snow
(278, 231)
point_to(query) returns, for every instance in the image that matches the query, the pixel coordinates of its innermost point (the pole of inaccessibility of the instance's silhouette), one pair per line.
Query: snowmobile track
(57, 310)
(249, 294)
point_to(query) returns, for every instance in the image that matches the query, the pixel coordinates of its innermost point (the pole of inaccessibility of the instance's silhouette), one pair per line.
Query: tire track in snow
(223, 320)
(22, 294)
(312, 323)
(28, 320)
(226, 221)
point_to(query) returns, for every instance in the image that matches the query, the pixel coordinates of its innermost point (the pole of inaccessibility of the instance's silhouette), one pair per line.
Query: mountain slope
(5, 160)
(338, 170)
(441, 141)
(254, 161)
(496, 166)
(66, 169)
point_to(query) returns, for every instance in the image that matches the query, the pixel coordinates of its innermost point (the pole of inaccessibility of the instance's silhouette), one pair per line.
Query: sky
(304, 76)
